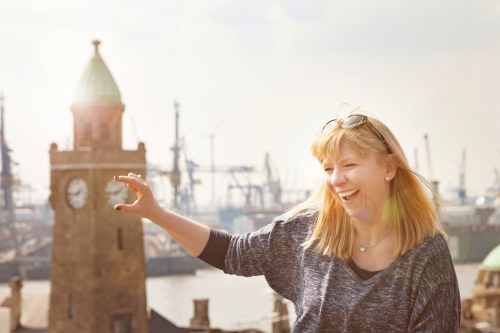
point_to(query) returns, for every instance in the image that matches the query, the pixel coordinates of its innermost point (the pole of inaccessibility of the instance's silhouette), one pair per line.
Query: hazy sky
(273, 71)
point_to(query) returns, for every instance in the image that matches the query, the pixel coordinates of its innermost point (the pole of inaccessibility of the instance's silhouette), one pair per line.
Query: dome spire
(96, 44)
(97, 86)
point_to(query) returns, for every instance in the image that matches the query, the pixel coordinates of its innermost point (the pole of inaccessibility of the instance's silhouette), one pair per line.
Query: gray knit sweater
(418, 292)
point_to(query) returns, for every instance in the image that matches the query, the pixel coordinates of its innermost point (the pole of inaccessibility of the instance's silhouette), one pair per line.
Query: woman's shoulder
(430, 246)
(432, 254)
(306, 218)
(284, 226)
(305, 214)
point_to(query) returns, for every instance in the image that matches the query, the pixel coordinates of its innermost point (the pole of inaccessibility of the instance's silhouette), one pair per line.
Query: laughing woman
(365, 253)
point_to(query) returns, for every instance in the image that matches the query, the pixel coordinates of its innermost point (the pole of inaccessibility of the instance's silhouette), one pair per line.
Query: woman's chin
(358, 214)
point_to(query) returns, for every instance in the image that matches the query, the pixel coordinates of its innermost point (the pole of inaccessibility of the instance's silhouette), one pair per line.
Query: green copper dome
(492, 260)
(97, 86)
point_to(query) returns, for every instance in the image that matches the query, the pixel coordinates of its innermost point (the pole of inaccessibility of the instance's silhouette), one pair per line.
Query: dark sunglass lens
(353, 121)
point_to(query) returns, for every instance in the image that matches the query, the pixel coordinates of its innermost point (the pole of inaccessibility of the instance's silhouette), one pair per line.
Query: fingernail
(118, 208)
(116, 177)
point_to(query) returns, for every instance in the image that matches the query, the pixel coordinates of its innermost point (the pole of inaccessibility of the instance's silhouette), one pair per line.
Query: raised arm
(191, 235)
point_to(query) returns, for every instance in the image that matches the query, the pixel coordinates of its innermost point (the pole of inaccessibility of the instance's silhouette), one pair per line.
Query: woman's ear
(390, 167)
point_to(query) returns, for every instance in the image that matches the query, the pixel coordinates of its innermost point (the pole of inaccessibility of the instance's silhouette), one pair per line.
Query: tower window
(71, 307)
(104, 131)
(87, 132)
(121, 323)
(120, 239)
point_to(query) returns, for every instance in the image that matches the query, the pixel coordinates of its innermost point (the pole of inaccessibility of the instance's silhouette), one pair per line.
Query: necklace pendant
(362, 248)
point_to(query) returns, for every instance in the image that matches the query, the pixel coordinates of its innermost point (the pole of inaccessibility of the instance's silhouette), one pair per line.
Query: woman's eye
(349, 165)
(328, 170)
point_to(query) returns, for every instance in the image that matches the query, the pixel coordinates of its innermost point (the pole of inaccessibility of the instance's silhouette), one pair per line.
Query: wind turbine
(212, 164)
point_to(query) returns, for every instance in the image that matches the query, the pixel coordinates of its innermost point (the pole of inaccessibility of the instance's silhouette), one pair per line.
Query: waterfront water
(235, 302)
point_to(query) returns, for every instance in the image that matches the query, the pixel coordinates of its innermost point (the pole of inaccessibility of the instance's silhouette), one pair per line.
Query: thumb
(127, 209)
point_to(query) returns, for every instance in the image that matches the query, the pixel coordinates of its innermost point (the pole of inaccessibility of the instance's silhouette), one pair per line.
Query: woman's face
(359, 183)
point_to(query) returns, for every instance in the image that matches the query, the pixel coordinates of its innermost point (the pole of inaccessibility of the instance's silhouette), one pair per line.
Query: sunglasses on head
(353, 121)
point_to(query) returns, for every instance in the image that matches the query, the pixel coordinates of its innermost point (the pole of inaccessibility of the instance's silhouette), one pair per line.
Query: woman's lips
(350, 195)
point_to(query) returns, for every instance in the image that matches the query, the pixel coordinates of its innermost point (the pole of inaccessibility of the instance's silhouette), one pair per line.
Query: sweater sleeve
(250, 254)
(437, 303)
(215, 251)
(274, 251)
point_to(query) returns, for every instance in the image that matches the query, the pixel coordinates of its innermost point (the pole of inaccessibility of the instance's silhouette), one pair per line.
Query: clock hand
(75, 193)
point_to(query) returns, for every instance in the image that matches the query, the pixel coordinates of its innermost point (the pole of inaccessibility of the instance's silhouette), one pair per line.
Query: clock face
(76, 193)
(116, 193)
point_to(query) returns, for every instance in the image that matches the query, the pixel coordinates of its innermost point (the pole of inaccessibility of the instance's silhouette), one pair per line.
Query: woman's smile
(349, 195)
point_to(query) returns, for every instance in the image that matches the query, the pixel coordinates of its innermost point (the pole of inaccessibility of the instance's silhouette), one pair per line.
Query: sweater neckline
(374, 278)
(363, 274)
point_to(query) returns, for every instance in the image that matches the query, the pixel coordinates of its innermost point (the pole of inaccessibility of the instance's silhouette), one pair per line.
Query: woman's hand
(146, 205)
(190, 235)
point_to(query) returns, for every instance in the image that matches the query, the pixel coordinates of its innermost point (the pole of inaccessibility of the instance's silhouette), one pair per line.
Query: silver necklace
(363, 248)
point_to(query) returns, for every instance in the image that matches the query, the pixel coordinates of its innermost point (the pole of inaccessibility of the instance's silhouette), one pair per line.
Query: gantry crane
(212, 165)
(272, 179)
(497, 182)
(462, 194)
(252, 193)
(185, 196)
(175, 174)
(6, 182)
(434, 182)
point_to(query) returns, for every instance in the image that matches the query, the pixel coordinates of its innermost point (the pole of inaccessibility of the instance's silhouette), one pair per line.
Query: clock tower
(97, 271)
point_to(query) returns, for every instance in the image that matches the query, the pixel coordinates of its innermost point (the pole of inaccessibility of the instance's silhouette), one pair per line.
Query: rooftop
(492, 260)
(97, 86)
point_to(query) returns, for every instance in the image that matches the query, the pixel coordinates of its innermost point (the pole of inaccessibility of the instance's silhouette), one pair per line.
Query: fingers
(145, 199)
(133, 182)
(130, 187)
(138, 177)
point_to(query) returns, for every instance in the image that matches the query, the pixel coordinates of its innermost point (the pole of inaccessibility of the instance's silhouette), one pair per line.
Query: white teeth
(345, 194)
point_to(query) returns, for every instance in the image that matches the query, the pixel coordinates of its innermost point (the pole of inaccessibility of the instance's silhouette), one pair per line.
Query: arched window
(104, 131)
(121, 323)
(71, 307)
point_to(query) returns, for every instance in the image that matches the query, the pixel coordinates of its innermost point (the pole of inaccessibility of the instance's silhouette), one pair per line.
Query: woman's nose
(337, 178)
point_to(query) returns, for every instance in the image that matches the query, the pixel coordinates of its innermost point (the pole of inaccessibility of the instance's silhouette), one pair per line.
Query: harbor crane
(6, 182)
(273, 181)
(497, 182)
(180, 197)
(252, 193)
(434, 182)
(183, 195)
(175, 175)
(188, 192)
(462, 194)
(212, 138)
(183, 198)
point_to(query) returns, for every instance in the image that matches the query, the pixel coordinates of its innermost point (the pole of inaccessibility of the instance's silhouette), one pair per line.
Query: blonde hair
(410, 208)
